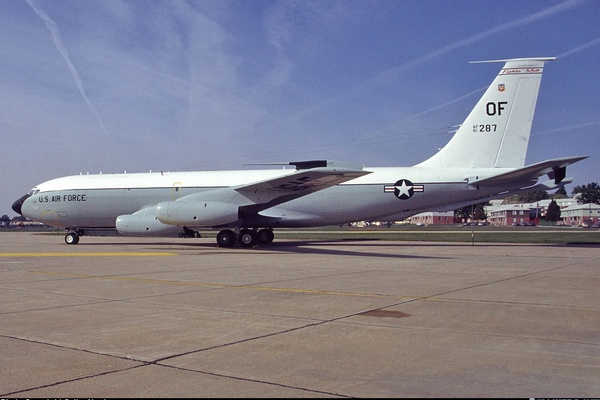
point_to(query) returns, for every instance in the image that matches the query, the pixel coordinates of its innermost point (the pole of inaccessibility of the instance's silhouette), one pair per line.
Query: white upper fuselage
(86, 201)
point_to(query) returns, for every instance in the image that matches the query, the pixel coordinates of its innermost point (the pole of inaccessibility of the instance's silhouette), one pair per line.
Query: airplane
(484, 159)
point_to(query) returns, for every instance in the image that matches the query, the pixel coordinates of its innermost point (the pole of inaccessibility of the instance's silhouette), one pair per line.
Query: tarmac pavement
(148, 317)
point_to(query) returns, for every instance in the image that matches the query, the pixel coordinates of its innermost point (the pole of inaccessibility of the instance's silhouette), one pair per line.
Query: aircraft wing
(309, 177)
(556, 169)
(225, 205)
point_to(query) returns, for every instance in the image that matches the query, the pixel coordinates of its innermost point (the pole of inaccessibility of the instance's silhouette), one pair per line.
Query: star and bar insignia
(403, 189)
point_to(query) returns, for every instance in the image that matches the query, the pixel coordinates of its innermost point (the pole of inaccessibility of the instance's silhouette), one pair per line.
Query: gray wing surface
(318, 175)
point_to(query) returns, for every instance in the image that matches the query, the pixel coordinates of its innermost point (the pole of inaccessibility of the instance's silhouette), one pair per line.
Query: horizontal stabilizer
(554, 168)
(547, 185)
(516, 60)
(550, 184)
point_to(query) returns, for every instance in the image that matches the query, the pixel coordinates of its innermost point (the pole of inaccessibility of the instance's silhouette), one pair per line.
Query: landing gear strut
(245, 238)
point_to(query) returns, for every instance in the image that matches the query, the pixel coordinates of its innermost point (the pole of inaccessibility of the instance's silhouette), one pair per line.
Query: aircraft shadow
(324, 247)
(339, 247)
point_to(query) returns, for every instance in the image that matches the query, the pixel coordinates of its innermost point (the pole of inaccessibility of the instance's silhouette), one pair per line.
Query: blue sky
(111, 86)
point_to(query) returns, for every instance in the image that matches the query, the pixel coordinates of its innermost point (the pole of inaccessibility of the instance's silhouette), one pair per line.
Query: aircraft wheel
(226, 238)
(71, 238)
(265, 237)
(247, 238)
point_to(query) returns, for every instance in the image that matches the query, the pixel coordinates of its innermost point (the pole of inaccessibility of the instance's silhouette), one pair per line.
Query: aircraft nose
(16, 206)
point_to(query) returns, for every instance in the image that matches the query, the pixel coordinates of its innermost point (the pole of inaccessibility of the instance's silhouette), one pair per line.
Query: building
(433, 218)
(514, 214)
(585, 215)
(522, 214)
(572, 214)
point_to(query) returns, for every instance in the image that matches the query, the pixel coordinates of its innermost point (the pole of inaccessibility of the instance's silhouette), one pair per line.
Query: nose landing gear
(72, 236)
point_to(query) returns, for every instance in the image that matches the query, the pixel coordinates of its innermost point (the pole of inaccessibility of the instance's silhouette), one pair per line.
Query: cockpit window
(33, 191)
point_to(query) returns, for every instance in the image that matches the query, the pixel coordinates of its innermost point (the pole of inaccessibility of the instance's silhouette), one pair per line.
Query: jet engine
(205, 213)
(144, 222)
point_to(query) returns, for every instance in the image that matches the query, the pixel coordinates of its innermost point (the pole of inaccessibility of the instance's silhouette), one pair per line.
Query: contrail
(450, 102)
(51, 25)
(390, 74)
(582, 47)
(387, 75)
(475, 38)
(567, 128)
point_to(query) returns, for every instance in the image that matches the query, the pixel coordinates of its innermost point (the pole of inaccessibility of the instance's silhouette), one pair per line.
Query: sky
(111, 86)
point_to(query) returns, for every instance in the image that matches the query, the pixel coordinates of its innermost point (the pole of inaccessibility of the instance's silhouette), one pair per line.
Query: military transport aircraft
(485, 159)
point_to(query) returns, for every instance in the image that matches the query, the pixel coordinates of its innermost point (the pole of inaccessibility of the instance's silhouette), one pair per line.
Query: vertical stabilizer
(496, 132)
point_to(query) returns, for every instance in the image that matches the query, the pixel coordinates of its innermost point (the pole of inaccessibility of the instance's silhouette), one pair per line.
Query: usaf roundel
(403, 189)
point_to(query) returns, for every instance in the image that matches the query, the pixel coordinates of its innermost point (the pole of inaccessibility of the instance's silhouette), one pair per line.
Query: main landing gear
(245, 238)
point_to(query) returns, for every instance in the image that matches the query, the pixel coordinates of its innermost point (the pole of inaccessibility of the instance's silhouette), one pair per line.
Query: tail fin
(496, 132)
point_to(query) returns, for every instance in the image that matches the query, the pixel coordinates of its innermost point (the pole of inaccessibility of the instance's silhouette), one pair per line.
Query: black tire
(247, 238)
(226, 238)
(265, 237)
(71, 238)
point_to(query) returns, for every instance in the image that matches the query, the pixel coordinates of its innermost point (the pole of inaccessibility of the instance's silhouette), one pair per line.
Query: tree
(553, 212)
(532, 197)
(529, 197)
(4, 220)
(589, 193)
(561, 192)
(478, 210)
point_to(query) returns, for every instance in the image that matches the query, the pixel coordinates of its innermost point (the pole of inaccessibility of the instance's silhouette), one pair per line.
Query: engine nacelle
(145, 223)
(202, 213)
